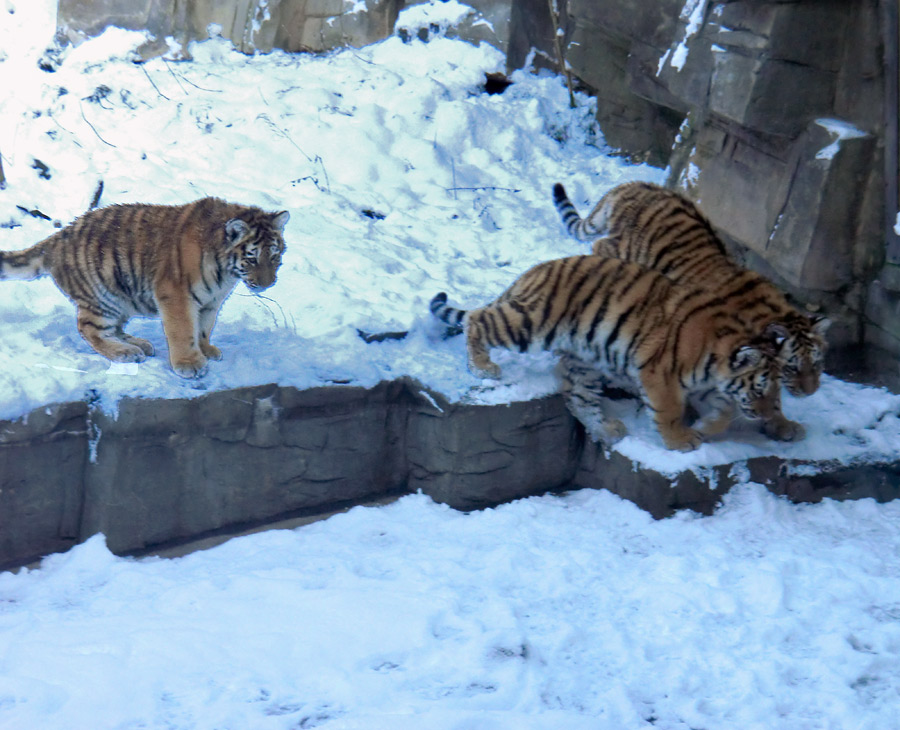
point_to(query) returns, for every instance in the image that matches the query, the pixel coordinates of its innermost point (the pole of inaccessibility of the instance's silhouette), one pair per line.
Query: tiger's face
(753, 380)
(256, 249)
(804, 354)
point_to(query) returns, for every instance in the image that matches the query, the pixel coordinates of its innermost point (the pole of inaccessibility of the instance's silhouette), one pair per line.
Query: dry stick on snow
(2, 176)
(488, 187)
(554, 19)
(177, 80)
(93, 127)
(147, 74)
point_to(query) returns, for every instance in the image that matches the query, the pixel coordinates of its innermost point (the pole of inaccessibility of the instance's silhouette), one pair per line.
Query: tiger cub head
(803, 353)
(751, 375)
(255, 247)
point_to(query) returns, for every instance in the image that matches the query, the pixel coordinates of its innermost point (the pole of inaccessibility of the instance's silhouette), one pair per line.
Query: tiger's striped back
(627, 321)
(660, 229)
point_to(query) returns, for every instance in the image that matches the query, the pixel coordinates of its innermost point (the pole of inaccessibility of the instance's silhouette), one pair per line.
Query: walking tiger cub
(177, 262)
(665, 231)
(611, 319)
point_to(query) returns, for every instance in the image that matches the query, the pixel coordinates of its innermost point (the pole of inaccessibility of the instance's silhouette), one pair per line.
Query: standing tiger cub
(658, 228)
(618, 321)
(178, 262)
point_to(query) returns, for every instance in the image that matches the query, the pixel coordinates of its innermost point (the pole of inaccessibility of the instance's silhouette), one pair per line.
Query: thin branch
(554, 18)
(147, 74)
(196, 86)
(177, 80)
(490, 187)
(81, 108)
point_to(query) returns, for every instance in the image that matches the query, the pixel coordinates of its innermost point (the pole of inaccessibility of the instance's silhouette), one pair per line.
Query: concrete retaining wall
(163, 472)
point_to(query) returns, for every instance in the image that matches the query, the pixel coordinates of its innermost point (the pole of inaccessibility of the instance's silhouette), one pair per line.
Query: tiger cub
(659, 228)
(179, 262)
(624, 321)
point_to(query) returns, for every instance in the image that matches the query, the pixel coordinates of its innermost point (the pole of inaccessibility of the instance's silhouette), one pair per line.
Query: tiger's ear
(235, 230)
(745, 357)
(280, 220)
(820, 324)
(776, 334)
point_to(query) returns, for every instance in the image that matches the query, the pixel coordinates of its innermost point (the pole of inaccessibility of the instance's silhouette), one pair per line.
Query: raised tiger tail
(26, 264)
(444, 312)
(577, 227)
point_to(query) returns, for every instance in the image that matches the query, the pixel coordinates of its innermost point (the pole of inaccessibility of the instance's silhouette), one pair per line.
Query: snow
(839, 130)
(692, 15)
(575, 612)
(567, 612)
(442, 15)
(897, 224)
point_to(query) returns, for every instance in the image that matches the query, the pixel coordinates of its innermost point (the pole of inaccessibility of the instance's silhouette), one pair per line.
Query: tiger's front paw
(784, 430)
(489, 370)
(211, 351)
(686, 439)
(124, 352)
(608, 431)
(190, 366)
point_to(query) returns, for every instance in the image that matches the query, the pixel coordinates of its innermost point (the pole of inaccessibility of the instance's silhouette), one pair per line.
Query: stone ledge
(164, 472)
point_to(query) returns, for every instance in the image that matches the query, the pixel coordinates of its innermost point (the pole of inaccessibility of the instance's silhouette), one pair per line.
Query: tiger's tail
(27, 264)
(578, 227)
(444, 312)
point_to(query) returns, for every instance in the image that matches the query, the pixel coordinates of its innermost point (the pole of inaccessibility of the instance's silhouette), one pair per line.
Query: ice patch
(839, 131)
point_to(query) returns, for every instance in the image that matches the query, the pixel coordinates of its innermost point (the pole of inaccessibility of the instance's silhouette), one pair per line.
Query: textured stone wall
(162, 472)
(262, 25)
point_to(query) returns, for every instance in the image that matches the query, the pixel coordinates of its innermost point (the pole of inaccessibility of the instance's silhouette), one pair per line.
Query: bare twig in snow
(177, 80)
(93, 127)
(147, 74)
(554, 18)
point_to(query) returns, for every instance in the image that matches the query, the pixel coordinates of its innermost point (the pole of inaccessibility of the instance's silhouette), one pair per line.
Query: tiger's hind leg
(105, 335)
(582, 388)
(478, 344)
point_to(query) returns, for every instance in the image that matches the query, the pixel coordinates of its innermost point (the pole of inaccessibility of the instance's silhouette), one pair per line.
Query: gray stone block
(812, 244)
(166, 470)
(471, 456)
(42, 463)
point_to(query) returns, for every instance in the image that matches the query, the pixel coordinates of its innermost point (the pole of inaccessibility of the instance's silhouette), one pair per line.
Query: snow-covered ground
(554, 613)
(403, 178)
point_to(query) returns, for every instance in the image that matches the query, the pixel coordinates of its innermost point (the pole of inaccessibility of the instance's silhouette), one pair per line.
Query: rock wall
(163, 472)
(262, 25)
